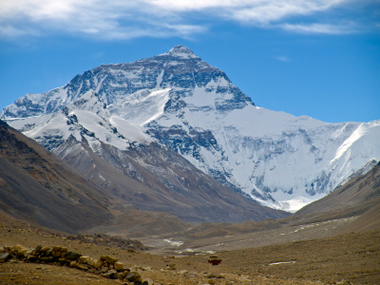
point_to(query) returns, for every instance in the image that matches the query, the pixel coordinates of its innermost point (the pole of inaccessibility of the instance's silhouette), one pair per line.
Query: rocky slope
(36, 186)
(145, 177)
(180, 101)
(360, 196)
(151, 177)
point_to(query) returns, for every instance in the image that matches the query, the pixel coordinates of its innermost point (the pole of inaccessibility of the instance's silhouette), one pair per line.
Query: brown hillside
(36, 187)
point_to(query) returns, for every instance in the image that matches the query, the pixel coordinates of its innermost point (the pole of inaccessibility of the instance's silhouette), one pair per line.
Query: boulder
(98, 263)
(72, 255)
(112, 274)
(118, 266)
(81, 266)
(4, 257)
(38, 249)
(110, 259)
(91, 262)
(133, 277)
(20, 249)
(56, 248)
(85, 259)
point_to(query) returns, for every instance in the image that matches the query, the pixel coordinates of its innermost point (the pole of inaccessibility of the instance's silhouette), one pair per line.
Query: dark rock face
(185, 142)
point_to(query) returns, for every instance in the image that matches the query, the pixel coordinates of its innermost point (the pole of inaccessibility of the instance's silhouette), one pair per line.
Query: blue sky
(319, 58)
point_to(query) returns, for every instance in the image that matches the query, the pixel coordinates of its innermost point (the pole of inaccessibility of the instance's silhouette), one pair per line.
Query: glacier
(179, 100)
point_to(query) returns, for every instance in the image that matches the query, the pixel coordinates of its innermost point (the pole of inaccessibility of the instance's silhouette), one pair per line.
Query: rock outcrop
(106, 266)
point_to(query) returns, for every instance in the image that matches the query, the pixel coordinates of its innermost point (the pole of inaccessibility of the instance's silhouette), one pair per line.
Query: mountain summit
(179, 101)
(181, 52)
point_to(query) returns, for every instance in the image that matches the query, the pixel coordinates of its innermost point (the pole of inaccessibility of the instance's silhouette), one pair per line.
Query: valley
(353, 257)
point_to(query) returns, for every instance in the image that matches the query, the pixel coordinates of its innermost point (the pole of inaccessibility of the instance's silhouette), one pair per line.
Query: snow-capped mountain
(182, 102)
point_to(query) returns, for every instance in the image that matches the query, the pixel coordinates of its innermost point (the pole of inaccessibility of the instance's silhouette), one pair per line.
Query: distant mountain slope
(35, 186)
(355, 192)
(155, 178)
(360, 196)
(147, 177)
(180, 101)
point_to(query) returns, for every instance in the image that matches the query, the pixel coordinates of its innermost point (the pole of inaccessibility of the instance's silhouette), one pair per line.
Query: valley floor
(354, 257)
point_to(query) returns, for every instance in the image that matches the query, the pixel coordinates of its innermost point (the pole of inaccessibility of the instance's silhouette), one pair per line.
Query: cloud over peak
(117, 19)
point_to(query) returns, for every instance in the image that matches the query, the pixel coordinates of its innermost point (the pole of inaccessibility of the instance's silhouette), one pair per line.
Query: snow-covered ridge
(181, 101)
(182, 52)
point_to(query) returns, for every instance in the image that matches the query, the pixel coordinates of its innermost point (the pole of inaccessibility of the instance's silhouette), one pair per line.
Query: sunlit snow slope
(181, 101)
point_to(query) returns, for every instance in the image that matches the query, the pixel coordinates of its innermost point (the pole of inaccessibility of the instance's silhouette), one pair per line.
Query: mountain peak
(182, 52)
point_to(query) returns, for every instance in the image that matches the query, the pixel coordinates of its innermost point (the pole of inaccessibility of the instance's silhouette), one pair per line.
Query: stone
(38, 249)
(118, 265)
(4, 257)
(48, 252)
(98, 263)
(82, 266)
(133, 277)
(73, 263)
(85, 259)
(56, 248)
(19, 248)
(110, 259)
(113, 274)
(72, 255)
(104, 269)
(19, 251)
(91, 262)
(47, 258)
(122, 275)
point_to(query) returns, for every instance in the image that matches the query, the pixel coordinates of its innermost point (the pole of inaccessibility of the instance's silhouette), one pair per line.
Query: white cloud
(316, 28)
(120, 19)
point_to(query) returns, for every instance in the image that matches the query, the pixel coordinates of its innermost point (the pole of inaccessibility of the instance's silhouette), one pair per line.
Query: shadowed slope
(155, 178)
(35, 186)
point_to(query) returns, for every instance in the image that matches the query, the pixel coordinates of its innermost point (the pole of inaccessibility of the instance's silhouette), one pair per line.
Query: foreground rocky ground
(353, 257)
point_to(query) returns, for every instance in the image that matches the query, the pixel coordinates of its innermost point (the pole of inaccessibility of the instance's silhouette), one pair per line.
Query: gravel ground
(354, 257)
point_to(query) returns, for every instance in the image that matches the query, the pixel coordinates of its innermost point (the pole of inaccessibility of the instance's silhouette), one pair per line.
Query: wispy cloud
(282, 58)
(317, 28)
(119, 19)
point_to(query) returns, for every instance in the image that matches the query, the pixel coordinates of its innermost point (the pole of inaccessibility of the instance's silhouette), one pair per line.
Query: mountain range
(161, 126)
(86, 191)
